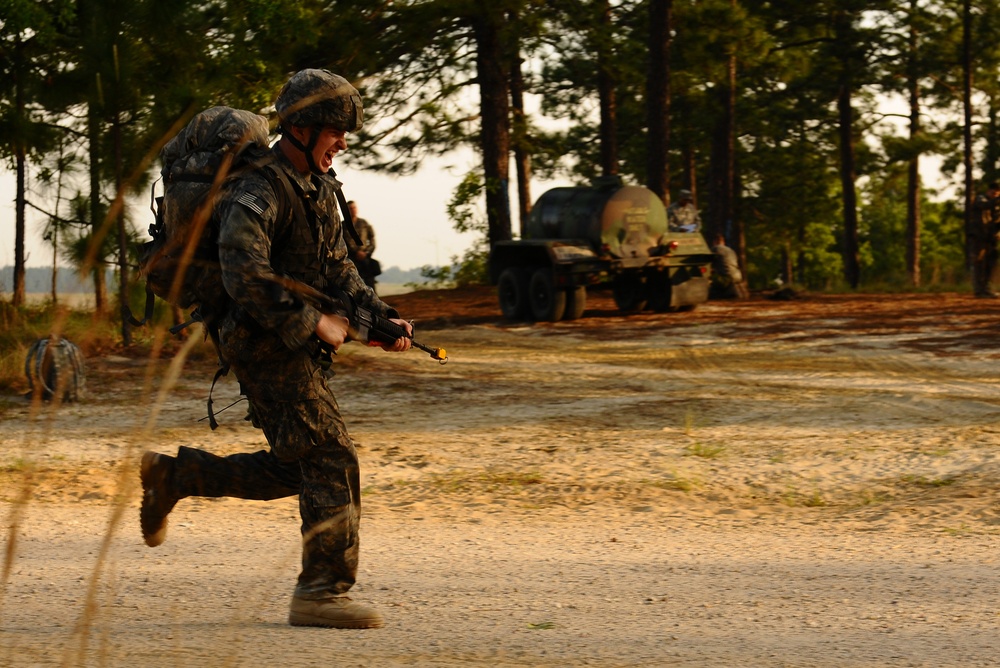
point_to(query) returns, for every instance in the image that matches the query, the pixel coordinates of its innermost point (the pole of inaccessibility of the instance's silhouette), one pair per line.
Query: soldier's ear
(301, 134)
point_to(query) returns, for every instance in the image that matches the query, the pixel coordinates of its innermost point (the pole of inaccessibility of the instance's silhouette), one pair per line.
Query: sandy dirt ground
(766, 483)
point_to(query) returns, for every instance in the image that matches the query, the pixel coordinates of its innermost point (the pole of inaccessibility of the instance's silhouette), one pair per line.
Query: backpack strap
(127, 315)
(292, 197)
(348, 219)
(346, 212)
(220, 372)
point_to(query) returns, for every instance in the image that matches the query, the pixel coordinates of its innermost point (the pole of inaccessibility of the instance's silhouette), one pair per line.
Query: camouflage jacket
(367, 234)
(261, 239)
(683, 218)
(726, 263)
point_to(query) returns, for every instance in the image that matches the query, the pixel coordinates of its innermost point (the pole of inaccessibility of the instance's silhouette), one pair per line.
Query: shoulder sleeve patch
(253, 203)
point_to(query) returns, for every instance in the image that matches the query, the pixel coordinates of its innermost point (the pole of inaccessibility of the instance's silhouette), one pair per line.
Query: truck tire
(576, 302)
(659, 291)
(548, 303)
(629, 291)
(512, 293)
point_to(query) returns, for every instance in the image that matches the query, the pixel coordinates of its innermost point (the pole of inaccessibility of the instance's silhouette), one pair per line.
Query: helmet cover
(312, 98)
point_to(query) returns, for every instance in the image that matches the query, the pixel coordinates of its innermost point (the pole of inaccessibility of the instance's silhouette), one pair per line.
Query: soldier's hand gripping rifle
(363, 325)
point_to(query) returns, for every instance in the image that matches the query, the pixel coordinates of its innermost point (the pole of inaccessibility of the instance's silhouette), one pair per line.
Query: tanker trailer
(605, 233)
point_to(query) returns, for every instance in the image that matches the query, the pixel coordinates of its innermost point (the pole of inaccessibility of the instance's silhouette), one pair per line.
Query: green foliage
(465, 211)
(102, 84)
(29, 33)
(464, 207)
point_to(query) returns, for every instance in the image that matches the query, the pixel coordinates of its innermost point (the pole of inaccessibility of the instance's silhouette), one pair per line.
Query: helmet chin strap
(307, 150)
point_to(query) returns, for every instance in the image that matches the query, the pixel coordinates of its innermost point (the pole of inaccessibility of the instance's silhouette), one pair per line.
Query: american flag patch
(253, 203)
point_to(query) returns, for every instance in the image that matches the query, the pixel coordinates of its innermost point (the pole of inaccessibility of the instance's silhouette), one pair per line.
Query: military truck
(606, 233)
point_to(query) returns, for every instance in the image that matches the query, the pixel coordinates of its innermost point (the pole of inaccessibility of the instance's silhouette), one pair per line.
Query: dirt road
(766, 483)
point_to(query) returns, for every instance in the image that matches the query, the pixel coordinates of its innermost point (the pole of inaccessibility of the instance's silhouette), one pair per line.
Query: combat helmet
(315, 98)
(319, 97)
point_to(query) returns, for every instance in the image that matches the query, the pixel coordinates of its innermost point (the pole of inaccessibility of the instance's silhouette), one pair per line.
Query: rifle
(363, 325)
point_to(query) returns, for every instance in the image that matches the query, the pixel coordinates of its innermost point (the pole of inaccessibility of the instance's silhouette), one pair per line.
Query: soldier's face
(330, 142)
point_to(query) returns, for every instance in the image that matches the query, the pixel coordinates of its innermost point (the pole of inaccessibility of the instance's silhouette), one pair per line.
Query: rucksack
(181, 262)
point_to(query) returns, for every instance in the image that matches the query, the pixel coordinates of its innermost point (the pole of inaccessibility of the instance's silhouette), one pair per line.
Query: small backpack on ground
(54, 368)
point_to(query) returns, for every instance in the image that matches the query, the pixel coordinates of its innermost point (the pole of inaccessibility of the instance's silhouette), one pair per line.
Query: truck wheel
(576, 302)
(548, 303)
(512, 293)
(629, 292)
(659, 292)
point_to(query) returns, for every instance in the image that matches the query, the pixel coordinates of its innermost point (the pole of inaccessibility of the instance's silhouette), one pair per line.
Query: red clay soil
(969, 322)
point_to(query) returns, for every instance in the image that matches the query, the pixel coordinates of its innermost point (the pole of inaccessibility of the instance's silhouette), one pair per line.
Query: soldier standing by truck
(985, 226)
(727, 279)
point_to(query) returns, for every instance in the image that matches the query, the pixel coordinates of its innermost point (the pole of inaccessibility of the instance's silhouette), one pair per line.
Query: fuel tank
(617, 220)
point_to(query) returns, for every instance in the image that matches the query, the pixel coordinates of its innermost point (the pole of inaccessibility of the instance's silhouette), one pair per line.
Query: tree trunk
(20, 160)
(17, 299)
(55, 266)
(658, 99)
(494, 96)
(967, 126)
(722, 170)
(123, 278)
(991, 152)
(787, 269)
(96, 261)
(690, 171)
(913, 178)
(522, 156)
(607, 91)
(851, 250)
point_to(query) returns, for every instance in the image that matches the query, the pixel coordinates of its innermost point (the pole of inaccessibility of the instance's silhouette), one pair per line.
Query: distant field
(387, 289)
(82, 300)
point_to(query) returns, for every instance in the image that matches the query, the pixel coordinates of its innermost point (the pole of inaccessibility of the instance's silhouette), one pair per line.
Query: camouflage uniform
(727, 279)
(683, 217)
(983, 246)
(267, 337)
(366, 266)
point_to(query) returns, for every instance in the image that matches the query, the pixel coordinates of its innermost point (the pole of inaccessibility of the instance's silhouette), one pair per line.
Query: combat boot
(156, 472)
(336, 612)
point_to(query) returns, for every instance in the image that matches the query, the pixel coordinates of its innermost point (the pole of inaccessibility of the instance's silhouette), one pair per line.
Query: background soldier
(368, 267)
(273, 341)
(682, 216)
(727, 279)
(985, 226)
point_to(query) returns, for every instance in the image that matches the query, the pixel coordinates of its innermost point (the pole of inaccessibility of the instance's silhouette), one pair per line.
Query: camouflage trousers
(311, 456)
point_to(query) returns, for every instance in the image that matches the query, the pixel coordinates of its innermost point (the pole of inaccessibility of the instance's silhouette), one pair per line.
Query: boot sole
(302, 619)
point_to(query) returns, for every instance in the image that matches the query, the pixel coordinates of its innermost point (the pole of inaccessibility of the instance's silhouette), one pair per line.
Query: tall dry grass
(20, 327)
